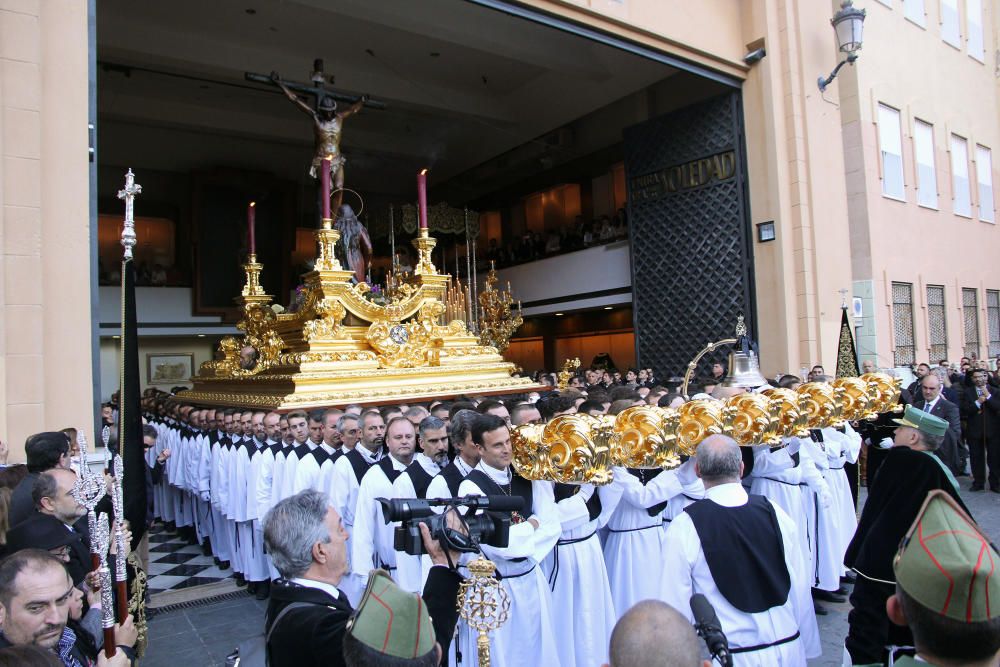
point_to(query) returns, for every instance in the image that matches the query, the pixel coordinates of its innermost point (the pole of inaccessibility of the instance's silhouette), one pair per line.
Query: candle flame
(423, 172)
(252, 204)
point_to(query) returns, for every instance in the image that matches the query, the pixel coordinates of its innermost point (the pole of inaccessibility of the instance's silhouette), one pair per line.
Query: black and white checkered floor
(174, 564)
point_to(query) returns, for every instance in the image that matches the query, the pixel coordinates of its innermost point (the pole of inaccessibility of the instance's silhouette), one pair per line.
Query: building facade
(883, 185)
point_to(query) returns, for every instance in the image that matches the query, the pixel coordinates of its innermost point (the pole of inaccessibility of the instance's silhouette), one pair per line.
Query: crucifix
(128, 194)
(843, 298)
(328, 122)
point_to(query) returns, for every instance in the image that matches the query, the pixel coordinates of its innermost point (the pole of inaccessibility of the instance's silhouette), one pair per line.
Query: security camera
(754, 56)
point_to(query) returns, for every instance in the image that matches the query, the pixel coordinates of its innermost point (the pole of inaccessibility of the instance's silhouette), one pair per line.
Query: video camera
(491, 527)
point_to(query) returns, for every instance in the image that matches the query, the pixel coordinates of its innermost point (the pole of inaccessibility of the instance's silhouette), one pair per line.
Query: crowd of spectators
(580, 235)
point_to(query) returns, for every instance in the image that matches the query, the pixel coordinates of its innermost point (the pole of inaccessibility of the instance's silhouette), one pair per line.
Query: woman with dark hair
(11, 476)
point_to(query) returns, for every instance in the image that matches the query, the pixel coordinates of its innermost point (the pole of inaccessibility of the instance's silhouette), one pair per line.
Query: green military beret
(946, 564)
(392, 621)
(924, 422)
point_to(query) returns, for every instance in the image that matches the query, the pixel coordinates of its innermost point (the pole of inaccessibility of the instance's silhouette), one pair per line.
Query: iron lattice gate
(692, 257)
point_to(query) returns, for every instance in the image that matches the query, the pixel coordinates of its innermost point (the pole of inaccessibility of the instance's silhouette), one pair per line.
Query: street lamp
(848, 23)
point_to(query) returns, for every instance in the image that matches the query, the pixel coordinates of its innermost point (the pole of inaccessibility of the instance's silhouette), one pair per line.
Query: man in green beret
(947, 588)
(908, 473)
(390, 626)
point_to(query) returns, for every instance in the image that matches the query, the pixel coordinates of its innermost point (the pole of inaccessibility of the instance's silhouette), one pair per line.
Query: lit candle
(251, 219)
(324, 181)
(422, 197)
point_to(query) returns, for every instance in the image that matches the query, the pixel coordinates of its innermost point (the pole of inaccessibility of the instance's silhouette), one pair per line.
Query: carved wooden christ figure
(328, 124)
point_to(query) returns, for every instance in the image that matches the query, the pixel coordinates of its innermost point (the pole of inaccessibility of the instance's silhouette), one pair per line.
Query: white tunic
(528, 637)
(776, 477)
(311, 474)
(686, 572)
(584, 612)
(846, 449)
(371, 541)
(636, 539)
(412, 571)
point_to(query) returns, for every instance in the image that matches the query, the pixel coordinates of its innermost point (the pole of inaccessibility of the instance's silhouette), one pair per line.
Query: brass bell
(744, 371)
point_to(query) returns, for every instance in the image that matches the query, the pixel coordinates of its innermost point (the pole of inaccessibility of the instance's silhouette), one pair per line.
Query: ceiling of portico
(172, 96)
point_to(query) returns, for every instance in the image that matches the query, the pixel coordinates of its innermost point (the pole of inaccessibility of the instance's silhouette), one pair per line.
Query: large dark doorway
(692, 258)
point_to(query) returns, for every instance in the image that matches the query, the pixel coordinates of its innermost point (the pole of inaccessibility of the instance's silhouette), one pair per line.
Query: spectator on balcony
(554, 244)
(607, 231)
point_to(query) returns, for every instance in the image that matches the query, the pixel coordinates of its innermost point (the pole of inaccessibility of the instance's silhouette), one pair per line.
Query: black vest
(453, 478)
(390, 472)
(420, 479)
(519, 486)
(564, 491)
(744, 552)
(358, 463)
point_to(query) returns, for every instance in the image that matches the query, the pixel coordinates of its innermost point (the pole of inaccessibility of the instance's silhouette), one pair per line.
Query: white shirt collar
(427, 463)
(327, 448)
(330, 589)
(462, 466)
(930, 406)
(345, 449)
(728, 495)
(396, 465)
(498, 476)
(369, 456)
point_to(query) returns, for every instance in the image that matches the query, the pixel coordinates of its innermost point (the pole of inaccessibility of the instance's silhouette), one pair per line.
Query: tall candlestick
(324, 187)
(422, 197)
(251, 223)
(392, 239)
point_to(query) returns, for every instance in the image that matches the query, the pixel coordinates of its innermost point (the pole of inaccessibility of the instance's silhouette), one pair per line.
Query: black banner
(847, 354)
(129, 412)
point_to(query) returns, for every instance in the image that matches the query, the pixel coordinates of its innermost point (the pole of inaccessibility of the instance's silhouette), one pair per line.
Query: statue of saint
(354, 249)
(328, 124)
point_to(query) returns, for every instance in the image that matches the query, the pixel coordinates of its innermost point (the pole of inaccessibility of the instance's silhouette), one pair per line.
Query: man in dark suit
(308, 615)
(53, 499)
(933, 402)
(44, 451)
(981, 409)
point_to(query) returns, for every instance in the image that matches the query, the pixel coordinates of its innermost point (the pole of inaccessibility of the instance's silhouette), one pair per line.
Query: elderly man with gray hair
(741, 552)
(308, 615)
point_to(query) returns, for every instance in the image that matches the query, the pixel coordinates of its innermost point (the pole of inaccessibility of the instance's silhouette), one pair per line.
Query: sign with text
(686, 176)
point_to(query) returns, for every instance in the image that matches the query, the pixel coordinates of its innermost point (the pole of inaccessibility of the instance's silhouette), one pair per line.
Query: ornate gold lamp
(484, 604)
(497, 322)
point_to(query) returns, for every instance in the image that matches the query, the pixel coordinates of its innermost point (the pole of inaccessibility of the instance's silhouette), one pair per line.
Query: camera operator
(307, 544)
(527, 638)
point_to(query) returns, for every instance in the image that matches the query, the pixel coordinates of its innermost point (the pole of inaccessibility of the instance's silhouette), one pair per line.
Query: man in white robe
(528, 636)
(581, 593)
(635, 534)
(348, 471)
(298, 428)
(432, 440)
(740, 552)
(842, 447)
(372, 539)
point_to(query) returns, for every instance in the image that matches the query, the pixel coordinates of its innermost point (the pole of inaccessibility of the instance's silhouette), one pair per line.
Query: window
(926, 175)
(993, 321)
(937, 324)
(949, 23)
(961, 203)
(970, 321)
(974, 26)
(902, 324)
(891, 145)
(914, 11)
(984, 176)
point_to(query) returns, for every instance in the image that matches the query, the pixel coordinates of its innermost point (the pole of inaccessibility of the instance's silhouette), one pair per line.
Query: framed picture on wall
(169, 369)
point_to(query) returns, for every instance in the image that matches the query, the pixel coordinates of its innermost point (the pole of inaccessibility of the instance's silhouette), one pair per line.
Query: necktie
(927, 407)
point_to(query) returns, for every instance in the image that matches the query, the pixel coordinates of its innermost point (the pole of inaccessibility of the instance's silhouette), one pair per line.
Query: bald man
(740, 551)
(644, 632)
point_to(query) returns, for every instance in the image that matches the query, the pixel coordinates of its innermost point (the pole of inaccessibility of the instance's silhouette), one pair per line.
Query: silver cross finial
(128, 195)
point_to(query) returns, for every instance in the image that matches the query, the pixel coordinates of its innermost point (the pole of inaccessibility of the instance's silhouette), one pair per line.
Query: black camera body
(491, 527)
